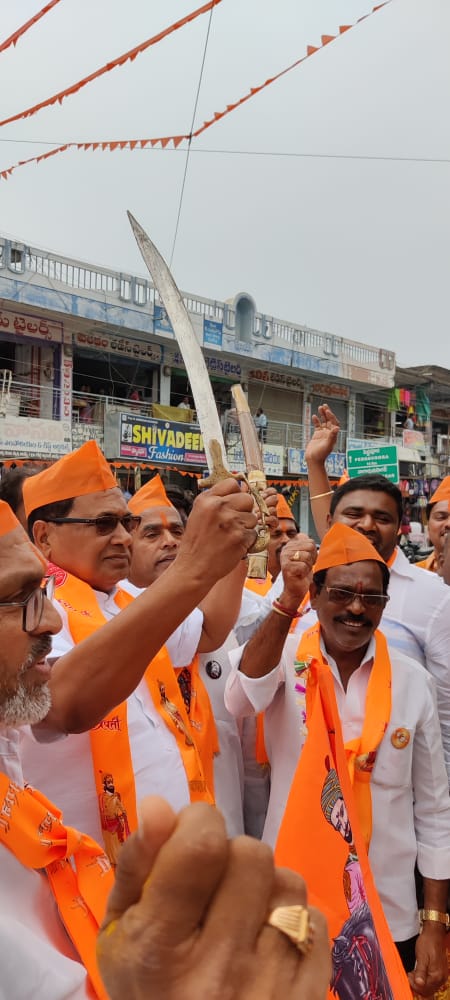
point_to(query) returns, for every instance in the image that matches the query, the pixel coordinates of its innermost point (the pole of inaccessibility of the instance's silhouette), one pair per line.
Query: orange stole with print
(110, 746)
(31, 828)
(320, 838)
(361, 752)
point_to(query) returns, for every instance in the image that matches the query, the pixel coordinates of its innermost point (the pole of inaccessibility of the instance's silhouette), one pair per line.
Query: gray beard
(26, 707)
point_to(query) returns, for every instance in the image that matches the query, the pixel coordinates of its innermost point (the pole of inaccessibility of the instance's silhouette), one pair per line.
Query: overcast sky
(353, 238)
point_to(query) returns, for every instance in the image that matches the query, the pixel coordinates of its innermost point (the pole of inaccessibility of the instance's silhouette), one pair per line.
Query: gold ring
(294, 922)
(297, 556)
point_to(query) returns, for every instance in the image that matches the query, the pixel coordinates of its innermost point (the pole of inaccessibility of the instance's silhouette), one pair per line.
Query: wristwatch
(435, 916)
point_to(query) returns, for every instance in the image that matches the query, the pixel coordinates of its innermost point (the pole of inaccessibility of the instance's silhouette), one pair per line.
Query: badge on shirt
(213, 669)
(400, 738)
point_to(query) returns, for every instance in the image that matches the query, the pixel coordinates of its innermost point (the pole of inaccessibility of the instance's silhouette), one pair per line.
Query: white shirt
(416, 622)
(38, 960)
(240, 785)
(411, 805)
(68, 779)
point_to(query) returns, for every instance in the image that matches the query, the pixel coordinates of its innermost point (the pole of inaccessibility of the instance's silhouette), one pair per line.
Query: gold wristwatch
(435, 916)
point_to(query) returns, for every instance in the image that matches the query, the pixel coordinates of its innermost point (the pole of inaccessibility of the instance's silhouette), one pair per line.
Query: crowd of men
(137, 661)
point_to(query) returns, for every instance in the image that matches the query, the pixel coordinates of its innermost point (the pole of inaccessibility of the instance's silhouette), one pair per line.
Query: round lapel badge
(400, 738)
(213, 669)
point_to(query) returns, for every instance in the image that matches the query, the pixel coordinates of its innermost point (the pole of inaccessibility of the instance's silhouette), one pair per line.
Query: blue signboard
(334, 465)
(212, 332)
(161, 320)
(149, 440)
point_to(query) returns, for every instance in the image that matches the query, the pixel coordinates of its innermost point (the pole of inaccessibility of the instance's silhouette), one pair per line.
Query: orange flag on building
(320, 838)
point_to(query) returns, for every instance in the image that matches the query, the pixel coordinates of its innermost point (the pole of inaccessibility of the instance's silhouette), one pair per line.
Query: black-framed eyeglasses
(106, 524)
(33, 607)
(339, 595)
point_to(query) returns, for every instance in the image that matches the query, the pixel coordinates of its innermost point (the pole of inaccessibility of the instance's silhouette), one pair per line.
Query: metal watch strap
(435, 916)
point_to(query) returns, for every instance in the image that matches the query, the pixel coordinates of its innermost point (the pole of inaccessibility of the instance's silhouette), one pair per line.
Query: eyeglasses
(106, 524)
(341, 596)
(33, 607)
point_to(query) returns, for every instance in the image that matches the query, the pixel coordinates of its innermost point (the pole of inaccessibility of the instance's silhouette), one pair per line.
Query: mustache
(40, 649)
(357, 619)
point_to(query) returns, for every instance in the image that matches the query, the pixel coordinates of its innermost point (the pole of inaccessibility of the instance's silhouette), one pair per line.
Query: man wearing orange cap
(438, 517)
(146, 744)
(280, 535)
(386, 703)
(46, 952)
(417, 618)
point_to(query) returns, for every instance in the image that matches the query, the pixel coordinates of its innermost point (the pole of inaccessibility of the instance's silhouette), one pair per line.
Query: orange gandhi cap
(343, 545)
(83, 471)
(283, 508)
(442, 492)
(8, 520)
(152, 494)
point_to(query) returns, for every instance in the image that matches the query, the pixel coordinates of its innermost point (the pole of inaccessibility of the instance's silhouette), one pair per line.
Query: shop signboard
(414, 439)
(146, 439)
(273, 457)
(334, 465)
(212, 332)
(116, 344)
(382, 460)
(26, 325)
(28, 437)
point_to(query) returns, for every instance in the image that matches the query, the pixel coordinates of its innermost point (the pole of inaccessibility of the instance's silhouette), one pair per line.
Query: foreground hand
(431, 970)
(219, 532)
(186, 918)
(323, 440)
(297, 560)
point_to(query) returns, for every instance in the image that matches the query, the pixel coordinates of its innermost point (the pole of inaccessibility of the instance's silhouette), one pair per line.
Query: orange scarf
(336, 871)
(31, 828)
(361, 752)
(196, 734)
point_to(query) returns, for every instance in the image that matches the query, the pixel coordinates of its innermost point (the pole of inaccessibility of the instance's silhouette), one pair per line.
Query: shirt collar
(366, 661)
(401, 565)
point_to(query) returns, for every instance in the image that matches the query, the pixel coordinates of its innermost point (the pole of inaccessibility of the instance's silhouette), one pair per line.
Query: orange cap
(152, 494)
(83, 471)
(343, 545)
(8, 520)
(283, 508)
(442, 492)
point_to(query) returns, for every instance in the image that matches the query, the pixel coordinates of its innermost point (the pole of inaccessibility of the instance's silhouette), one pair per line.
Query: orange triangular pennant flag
(331, 856)
(344, 27)
(177, 139)
(327, 38)
(310, 49)
(165, 142)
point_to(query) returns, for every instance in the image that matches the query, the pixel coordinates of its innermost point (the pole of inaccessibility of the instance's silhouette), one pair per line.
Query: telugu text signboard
(273, 458)
(28, 437)
(383, 461)
(334, 465)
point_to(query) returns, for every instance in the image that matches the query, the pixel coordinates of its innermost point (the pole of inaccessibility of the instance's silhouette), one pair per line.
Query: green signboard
(383, 460)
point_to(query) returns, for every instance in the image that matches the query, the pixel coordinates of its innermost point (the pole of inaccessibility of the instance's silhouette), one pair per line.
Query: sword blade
(194, 361)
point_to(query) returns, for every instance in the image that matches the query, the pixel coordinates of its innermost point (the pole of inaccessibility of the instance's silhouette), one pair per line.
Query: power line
(190, 136)
(256, 152)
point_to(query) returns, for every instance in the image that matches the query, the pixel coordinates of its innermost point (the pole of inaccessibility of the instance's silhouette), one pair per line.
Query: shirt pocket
(393, 767)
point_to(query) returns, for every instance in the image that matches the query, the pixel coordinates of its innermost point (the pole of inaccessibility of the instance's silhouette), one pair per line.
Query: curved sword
(199, 381)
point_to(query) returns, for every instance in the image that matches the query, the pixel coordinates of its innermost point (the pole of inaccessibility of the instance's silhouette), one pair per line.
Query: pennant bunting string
(14, 38)
(60, 97)
(176, 140)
